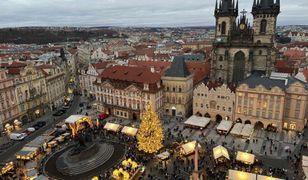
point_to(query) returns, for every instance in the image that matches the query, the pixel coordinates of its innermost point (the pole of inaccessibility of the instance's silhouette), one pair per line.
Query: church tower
(225, 13)
(265, 14)
(240, 49)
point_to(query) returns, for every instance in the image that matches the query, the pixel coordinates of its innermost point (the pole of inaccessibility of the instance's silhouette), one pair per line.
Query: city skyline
(172, 13)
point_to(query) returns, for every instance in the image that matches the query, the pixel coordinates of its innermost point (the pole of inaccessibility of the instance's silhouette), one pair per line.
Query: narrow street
(48, 118)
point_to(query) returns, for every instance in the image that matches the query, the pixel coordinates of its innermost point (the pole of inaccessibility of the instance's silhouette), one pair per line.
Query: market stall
(27, 153)
(112, 127)
(163, 156)
(262, 177)
(6, 168)
(224, 127)
(247, 130)
(197, 122)
(130, 131)
(305, 165)
(188, 148)
(52, 144)
(245, 157)
(220, 154)
(76, 123)
(240, 175)
(237, 129)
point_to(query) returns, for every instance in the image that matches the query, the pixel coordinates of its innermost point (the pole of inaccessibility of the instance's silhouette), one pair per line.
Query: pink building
(8, 104)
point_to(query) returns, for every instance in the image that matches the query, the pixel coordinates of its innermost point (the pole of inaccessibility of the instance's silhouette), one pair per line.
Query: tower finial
(254, 3)
(216, 6)
(277, 2)
(237, 5)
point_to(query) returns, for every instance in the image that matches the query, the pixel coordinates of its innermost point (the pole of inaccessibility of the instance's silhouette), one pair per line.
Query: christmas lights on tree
(150, 135)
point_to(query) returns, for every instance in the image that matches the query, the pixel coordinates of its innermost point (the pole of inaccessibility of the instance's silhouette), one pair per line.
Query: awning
(246, 158)
(220, 151)
(130, 131)
(237, 129)
(241, 175)
(188, 148)
(27, 153)
(16, 122)
(224, 126)
(163, 156)
(196, 121)
(60, 138)
(261, 177)
(52, 143)
(305, 165)
(112, 127)
(247, 130)
(74, 118)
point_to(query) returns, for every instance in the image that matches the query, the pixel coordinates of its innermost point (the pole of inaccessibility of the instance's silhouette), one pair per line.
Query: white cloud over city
(128, 12)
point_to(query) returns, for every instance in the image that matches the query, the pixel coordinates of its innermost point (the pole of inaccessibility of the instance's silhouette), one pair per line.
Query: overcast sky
(129, 12)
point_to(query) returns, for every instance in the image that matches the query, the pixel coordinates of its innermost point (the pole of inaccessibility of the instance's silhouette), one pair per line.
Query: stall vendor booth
(224, 127)
(245, 158)
(8, 128)
(17, 124)
(27, 153)
(76, 123)
(188, 148)
(220, 154)
(112, 127)
(241, 175)
(197, 122)
(7, 167)
(163, 156)
(130, 131)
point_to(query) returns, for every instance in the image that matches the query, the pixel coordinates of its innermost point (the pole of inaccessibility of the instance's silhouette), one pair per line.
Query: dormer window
(146, 87)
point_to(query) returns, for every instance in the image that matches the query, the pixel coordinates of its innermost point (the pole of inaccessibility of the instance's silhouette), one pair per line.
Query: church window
(260, 52)
(223, 28)
(220, 66)
(263, 26)
(220, 58)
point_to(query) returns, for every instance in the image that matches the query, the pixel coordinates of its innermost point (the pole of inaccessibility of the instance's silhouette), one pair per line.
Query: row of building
(28, 90)
(182, 88)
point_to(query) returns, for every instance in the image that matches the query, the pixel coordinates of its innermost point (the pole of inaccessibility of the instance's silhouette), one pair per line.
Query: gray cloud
(128, 12)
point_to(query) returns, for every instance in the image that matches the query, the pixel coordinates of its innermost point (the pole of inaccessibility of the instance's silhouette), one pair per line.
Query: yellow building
(55, 83)
(30, 91)
(279, 102)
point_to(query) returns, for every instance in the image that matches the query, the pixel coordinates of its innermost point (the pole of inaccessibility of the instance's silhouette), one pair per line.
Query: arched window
(239, 67)
(263, 26)
(220, 58)
(223, 28)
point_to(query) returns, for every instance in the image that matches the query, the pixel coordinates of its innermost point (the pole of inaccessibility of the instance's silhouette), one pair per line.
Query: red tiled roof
(102, 65)
(200, 69)
(14, 70)
(131, 74)
(305, 72)
(294, 54)
(45, 66)
(72, 50)
(284, 66)
(159, 66)
(16, 64)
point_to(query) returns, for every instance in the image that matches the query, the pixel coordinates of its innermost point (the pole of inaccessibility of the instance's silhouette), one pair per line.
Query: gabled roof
(178, 68)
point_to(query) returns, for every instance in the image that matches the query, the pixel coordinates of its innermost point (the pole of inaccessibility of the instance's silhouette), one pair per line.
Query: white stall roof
(241, 175)
(74, 118)
(112, 127)
(224, 125)
(189, 147)
(262, 177)
(129, 131)
(237, 129)
(245, 157)
(247, 130)
(163, 156)
(197, 121)
(220, 151)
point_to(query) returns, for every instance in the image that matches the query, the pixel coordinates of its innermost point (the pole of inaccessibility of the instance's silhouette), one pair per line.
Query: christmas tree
(150, 134)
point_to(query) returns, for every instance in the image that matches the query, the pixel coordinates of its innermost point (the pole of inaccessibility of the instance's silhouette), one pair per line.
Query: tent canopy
(196, 121)
(112, 127)
(189, 147)
(74, 118)
(224, 126)
(237, 129)
(247, 130)
(163, 156)
(241, 175)
(246, 158)
(130, 131)
(220, 151)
